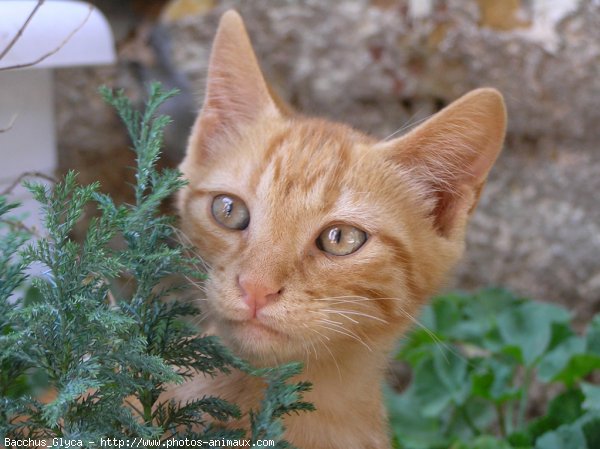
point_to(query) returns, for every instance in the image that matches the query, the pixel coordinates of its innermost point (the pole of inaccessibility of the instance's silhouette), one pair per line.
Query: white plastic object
(78, 30)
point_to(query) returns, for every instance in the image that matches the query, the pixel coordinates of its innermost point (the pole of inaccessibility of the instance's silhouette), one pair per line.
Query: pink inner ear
(448, 205)
(444, 210)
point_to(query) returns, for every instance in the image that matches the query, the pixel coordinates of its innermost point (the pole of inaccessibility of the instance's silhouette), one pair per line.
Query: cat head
(316, 236)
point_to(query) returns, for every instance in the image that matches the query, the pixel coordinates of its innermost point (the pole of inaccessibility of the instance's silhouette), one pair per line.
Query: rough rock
(379, 64)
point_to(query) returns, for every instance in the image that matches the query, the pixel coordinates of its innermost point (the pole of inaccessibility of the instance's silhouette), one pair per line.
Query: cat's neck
(344, 379)
(347, 395)
(343, 366)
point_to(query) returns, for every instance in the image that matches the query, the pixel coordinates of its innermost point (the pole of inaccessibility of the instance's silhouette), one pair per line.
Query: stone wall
(384, 65)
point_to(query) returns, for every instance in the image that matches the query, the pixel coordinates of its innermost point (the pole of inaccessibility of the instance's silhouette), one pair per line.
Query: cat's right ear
(236, 91)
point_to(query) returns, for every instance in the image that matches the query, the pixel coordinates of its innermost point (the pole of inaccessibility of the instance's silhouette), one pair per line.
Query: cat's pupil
(231, 212)
(227, 207)
(341, 240)
(335, 235)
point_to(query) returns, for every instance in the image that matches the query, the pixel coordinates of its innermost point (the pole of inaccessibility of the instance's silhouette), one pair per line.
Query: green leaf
(483, 442)
(410, 427)
(487, 304)
(417, 345)
(451, 368)
(557, 359)
(593, 336)
(579, 366)
(565, 408)
(447, 313)
(528, 328)
(560, 333)
(591, 431)
(566, 437)
(467, 420)
(592, 396)
(493, 380)
(429, 389)
(520, 439)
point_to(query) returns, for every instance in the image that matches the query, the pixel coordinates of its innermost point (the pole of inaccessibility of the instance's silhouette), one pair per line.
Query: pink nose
(257, 294)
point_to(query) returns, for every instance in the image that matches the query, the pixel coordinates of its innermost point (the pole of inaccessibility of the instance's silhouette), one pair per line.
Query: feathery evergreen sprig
(100, 355)
(279, 400)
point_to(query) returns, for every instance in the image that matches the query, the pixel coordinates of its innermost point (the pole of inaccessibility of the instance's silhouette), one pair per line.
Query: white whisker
(353, 336)
(322, 312)
(330, 321)
(327, 348)
(324, 336)
(361, 300)
(330, 298)
(408, 124)
(345, 312)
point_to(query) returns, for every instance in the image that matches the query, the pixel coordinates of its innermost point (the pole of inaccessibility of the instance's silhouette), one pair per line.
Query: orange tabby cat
(322, 243)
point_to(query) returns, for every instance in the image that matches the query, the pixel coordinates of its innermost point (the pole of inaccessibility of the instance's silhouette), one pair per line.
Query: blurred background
(383, 66)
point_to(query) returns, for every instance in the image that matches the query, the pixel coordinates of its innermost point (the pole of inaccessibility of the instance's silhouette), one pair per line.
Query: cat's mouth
(256, 328)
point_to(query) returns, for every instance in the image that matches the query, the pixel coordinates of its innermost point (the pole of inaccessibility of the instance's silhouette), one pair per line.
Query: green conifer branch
(106, 365)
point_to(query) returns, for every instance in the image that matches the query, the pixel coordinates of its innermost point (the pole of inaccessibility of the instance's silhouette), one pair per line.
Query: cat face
(319, 219)
(318, 238)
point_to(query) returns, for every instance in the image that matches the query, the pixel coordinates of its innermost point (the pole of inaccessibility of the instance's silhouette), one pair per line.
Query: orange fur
(339, 314)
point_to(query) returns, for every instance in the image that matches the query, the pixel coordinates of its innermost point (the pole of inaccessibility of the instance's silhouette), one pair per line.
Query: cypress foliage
(105, 355)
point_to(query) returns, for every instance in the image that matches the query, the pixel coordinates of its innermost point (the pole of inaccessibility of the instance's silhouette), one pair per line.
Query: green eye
(341, 240)
(231, 212)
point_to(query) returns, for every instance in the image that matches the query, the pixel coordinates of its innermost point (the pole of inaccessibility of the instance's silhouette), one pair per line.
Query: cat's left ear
(451, 155)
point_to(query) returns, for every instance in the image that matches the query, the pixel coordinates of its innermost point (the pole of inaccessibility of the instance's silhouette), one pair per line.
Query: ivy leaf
(429, 389)
(579, 366)
(554, 362)
(451, 368)
(565, 437)
(440, 380)
(592, 396)
(493, 381)
(447, 313)
(419, 344)
(527, 328)
(591, 431)
(565, 408)
(483, 442)
(412, 429)
(593, 336)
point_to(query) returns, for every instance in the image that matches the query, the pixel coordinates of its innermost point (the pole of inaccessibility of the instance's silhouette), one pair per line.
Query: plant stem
(469, 421)
(447, 425)
(524, 397)
(509, 417)
(147, 401)
(501, 420)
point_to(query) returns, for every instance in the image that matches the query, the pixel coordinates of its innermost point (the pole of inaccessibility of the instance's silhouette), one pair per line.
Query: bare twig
(55, 50)
(14, 224)
(29, 174)
(22, 29)
(10, 124)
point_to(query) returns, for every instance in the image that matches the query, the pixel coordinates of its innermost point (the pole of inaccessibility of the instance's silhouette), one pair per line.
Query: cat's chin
(255, 340)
